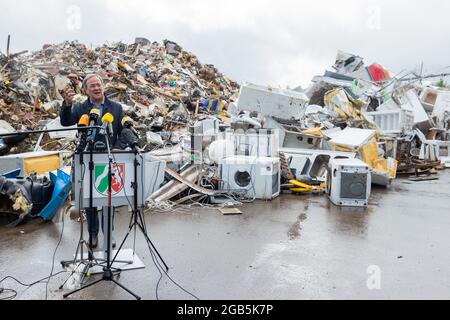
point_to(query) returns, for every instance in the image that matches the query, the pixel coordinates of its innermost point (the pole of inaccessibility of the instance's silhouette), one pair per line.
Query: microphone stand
(108, 274)
(138, 214)
(91, 261)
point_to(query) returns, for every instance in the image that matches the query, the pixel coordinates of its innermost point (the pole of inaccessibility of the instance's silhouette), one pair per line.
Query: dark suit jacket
(71, 115)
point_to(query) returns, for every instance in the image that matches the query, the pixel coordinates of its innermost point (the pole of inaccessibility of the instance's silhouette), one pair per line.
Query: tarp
(62, 189)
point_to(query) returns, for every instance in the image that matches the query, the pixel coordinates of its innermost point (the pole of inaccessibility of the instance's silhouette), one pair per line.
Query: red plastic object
(378, 73)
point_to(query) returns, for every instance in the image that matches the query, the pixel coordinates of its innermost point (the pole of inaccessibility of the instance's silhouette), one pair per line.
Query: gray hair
(90, 76)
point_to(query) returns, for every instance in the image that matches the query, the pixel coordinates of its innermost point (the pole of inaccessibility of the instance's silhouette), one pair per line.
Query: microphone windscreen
(95, 112)
(108, 118)
(126, 119)
(84, 121)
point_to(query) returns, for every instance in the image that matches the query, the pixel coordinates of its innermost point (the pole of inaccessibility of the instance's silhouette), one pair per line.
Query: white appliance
(444, 153)
(254, 177)
(304, 162)
(254, 142)
(445, 162)
(349, 182)
(272, 102)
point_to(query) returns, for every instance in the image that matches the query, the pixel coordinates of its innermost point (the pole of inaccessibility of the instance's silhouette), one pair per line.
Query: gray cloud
(283, 42)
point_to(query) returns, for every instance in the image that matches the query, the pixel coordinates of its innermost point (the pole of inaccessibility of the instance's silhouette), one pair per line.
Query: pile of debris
(408, 115)
(160, 85)
(352, 128)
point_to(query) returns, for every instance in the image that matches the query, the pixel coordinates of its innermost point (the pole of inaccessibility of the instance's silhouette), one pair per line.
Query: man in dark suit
(70, 114)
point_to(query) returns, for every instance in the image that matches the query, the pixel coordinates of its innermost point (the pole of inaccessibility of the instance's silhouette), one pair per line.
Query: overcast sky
(268, 42)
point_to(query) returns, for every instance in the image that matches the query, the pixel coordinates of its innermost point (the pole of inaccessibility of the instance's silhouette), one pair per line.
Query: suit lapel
(106, 107)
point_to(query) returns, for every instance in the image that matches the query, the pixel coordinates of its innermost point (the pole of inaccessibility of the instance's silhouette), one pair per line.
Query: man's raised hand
(69, 94)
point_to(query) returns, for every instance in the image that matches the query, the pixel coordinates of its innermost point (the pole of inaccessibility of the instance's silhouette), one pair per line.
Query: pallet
(285, 167)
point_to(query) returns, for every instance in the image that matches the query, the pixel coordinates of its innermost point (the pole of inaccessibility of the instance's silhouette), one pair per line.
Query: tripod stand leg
(121, 245)
(84, 274)
(82, 259)
(144, 231)
(73, 272)
(127, 290)
(76, 253)
(85, 287)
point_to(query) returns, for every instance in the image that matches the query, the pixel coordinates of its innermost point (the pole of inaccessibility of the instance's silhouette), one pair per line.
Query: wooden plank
(421, 179)
(230, 211)
(191, 185)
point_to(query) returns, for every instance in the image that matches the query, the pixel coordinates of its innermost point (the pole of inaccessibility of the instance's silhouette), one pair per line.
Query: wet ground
(295, 247)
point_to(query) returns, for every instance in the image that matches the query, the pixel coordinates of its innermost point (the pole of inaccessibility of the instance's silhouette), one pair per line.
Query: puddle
(295, 230)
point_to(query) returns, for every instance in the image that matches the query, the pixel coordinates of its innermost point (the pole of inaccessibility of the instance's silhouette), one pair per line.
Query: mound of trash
(160, 85)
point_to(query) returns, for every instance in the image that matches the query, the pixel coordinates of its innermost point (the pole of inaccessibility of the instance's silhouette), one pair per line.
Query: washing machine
(349, 182)
(255, 177)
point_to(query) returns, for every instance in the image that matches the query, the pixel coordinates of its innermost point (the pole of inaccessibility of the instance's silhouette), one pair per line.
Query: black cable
(54, 255)
(158, 265)
(156, 178)
(24, 284)
(154, 258)
(32, 284)
(152, 254)
(145, 228)
(143, 217)
(39, 281)
(121, 179)
(46, 278)
(57, 246)
(12, 297)
(80, 209)
(129, 202)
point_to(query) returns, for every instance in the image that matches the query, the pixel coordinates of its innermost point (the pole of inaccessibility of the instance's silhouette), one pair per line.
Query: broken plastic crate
(61, 191)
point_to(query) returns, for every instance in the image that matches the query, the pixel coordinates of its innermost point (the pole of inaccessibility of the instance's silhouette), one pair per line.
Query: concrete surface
(295, 247)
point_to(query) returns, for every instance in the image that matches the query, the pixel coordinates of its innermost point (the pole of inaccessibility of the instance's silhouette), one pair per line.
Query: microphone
(107, 121)
(127, 139)
(100, 146)
(93, 117)
(82, 123)
(127, 122)
(93, 120)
